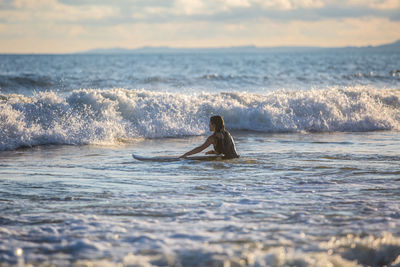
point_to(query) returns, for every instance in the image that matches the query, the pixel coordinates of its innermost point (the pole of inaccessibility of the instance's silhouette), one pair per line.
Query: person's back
(221, 140)
(225, 145)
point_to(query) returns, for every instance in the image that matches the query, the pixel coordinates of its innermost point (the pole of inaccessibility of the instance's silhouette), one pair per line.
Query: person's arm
(207, 143)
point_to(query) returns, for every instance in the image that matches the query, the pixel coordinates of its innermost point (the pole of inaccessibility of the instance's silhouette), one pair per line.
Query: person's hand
(210, 152)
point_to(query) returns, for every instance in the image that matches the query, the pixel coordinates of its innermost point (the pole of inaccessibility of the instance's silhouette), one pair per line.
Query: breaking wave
(91, 116)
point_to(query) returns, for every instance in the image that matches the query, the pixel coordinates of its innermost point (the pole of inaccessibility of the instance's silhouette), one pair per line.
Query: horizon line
(249, 46)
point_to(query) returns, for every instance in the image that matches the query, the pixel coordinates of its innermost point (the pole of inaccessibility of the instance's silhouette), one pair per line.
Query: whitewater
(91, 116)
(317, 182)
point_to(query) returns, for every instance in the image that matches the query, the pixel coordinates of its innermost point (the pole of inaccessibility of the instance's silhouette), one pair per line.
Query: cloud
(266, 32)
(73, 25)
(37, 11)
(158, 11)
(377, 4)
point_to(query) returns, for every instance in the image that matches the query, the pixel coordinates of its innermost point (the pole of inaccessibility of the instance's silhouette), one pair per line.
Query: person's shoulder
(218, 135)
(227, 133)
(211, 138)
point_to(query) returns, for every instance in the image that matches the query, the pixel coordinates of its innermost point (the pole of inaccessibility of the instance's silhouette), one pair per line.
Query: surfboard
(172, 158)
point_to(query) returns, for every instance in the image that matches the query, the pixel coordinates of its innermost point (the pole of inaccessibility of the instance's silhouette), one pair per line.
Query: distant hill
(237, 49)
(395, 46)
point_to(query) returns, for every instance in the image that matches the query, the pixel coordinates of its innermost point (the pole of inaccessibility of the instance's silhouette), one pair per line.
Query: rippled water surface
(290, 198)
(194, 72)
(317, 183)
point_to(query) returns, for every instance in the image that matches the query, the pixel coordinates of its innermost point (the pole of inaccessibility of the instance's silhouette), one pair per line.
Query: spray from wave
(93, 116)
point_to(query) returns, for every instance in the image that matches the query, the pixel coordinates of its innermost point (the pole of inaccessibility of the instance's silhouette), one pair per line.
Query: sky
(67, 26)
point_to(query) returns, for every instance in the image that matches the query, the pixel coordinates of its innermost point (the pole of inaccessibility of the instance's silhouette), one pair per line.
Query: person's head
(217, 123)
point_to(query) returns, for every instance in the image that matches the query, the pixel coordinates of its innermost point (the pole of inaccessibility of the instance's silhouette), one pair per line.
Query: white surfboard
(172, 158)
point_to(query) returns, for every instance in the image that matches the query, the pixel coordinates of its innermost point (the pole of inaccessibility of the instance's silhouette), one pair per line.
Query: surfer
(221, 140)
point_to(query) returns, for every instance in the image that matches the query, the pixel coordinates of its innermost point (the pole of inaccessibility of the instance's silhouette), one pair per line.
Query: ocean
(317, 182)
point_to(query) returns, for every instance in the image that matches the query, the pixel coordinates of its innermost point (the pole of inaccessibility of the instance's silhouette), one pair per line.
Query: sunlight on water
(290, 199)
(317, 182)
(110, 116)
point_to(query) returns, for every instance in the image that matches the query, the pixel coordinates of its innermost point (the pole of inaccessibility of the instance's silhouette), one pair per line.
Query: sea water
(317, 183)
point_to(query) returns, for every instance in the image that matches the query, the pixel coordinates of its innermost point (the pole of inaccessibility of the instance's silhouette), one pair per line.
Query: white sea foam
(91, 116)
(350, 251)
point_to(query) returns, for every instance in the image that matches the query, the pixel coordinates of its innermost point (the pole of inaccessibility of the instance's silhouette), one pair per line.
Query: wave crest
(91, 116)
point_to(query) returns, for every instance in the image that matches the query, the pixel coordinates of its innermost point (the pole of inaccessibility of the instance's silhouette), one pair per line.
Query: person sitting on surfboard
(221, 140)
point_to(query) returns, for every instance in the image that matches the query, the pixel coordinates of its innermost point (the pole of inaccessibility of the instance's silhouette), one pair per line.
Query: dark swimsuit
(225, 145)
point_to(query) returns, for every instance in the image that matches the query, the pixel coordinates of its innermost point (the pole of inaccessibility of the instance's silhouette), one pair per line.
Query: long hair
(218, 121)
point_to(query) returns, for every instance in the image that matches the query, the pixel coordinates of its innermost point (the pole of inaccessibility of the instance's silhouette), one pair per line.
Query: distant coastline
(390, 47)
(395, 46)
